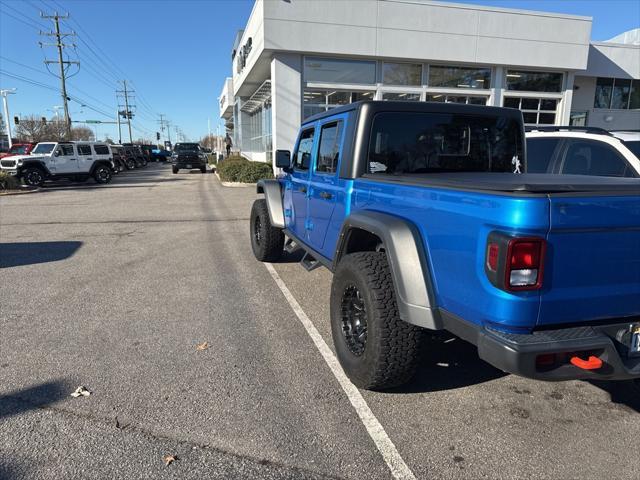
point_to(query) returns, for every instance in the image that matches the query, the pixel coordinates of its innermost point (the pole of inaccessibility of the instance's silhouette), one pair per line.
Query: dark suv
(188, 156)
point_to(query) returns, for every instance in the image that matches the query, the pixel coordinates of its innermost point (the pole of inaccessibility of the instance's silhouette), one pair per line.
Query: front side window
(410, 143)
(586, 157)
(459, 77)
(302, 158)
(101, 149)
(329, 149)
(534, 81)
(401, 74)
(539, 153)
(84, 149)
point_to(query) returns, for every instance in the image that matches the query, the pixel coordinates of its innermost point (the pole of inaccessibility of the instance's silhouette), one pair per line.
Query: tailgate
(592, 269)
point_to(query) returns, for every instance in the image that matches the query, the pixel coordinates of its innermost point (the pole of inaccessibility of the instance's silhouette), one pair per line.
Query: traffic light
(16, 120)
(157, 135)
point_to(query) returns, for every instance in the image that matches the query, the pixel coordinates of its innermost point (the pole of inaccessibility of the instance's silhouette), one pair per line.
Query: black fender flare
(97, 164)
(273, 195)
(34, 163)
(408, 261)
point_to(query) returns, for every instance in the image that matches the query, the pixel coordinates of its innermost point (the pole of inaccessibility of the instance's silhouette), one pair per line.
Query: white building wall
(404, 29)
(286, 94)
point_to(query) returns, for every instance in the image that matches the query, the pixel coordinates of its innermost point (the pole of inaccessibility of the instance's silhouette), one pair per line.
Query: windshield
(634, 147)
(43, 148)
(406, 143)
(187, 147)
(19, 149)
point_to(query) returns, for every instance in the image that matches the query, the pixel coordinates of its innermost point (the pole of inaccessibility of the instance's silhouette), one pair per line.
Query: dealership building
(295, 58)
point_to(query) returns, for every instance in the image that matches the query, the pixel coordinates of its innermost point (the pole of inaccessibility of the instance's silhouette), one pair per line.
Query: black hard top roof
(376, 106)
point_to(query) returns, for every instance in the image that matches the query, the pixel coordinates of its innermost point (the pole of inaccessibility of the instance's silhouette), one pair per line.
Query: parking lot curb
(18, 192)
(234, 184)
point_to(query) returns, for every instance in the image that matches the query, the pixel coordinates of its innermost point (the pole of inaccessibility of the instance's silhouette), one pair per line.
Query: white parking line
(394, 461)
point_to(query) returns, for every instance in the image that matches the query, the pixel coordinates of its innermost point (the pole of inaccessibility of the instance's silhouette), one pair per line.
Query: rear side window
(587, 157)
(101, 149)
(539, 153)
(329, 150)
(84, 149)
(302, 158)
(408, 143)
(634, 146)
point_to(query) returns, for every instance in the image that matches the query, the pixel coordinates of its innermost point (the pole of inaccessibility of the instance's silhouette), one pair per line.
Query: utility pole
(7, 121)
(127, 113)
(61, 62)
(119, 129)
(162, 123)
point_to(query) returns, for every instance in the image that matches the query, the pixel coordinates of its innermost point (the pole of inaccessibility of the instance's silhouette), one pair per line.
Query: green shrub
(238, 169)
(8, 182)
(255, 171)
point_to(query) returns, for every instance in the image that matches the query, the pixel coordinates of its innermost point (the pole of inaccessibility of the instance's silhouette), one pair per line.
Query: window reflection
(459, 77)
(402, 74)
(534, 81)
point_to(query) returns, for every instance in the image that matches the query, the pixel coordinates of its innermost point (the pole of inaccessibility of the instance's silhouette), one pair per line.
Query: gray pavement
(113, 287)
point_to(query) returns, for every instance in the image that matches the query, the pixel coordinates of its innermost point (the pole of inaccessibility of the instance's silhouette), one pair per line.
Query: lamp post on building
(4, 94)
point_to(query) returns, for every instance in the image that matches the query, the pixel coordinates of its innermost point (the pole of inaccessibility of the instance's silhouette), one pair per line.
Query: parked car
(146, 150)
(188, 156)
(539, 271)
(160, 155)
(18, 149)
(54, 160)
(120, 160)
(583, 151)
(135, 152)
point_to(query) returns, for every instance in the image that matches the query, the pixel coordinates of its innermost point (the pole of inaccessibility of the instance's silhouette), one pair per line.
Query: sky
(175, 53)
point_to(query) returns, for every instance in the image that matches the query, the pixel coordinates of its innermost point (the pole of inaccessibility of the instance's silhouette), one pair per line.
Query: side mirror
(56, 153)
(283, 159)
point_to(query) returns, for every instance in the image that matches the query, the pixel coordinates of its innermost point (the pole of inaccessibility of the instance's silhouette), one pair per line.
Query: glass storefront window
(534, 81)
(406, 97)
(535, 111)
(459, 77)
(604, 86)
(402, 73)
(441, 97)
(620, 93)
(634, 96)
(335, 70)
(317, 101)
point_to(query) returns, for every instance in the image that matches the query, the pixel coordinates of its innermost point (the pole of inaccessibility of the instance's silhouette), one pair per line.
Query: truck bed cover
(525, 184)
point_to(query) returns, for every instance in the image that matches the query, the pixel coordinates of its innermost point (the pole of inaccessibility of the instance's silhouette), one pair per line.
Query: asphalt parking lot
(113, 287)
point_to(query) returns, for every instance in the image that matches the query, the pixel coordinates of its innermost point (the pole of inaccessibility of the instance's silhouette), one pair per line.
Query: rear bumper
(185, 164)
(518, 353)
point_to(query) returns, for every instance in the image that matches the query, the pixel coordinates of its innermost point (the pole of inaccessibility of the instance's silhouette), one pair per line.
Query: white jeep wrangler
(52, 160)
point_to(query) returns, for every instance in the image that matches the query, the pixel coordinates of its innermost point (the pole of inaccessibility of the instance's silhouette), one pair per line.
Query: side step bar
(290, 246)
(309, 263)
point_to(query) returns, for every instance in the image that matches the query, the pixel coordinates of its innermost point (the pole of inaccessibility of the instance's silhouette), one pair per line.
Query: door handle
(72, 159)
(326, 195)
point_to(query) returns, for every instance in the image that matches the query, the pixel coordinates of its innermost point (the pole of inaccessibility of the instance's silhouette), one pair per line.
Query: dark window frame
(295, 155)
(106, 149)
(339, 137)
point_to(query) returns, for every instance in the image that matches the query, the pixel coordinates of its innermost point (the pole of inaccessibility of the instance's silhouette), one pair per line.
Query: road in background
(113, 287)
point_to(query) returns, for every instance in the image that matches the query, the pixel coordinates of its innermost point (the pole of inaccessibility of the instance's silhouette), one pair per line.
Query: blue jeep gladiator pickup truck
(422, 213)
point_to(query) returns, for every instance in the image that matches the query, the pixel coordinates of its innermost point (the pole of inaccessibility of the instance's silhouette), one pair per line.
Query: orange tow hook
(592, 363)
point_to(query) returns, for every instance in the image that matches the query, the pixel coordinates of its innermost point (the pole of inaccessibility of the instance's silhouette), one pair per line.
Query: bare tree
(31, 129)
(81, 133)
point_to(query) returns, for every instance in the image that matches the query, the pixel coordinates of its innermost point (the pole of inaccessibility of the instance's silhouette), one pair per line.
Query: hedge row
(239, 169)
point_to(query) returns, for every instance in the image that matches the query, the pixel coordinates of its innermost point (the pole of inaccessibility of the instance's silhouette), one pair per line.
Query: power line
(30, 22)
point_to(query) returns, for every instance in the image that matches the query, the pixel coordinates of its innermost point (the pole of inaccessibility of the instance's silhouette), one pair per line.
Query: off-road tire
(267, 241)
(131, 164)
(392, 347)
(33, 177)
(102, 174)
(174, 170)
(144, 162)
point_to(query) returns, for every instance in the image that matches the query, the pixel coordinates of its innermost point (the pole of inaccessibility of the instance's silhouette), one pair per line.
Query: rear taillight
(524, 263)
(515, 263)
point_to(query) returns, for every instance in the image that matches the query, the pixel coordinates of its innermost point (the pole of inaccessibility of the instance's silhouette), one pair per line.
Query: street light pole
(4, 94)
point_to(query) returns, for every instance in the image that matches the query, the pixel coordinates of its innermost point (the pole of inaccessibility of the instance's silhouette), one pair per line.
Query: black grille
(8, 163)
